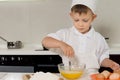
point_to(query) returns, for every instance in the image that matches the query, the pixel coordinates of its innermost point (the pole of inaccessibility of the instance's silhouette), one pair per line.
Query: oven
(29, 63)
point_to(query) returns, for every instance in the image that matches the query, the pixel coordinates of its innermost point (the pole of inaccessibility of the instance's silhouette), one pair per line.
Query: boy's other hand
(115, 66)
(67, 49)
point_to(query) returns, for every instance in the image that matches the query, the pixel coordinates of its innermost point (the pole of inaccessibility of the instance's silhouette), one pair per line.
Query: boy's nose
(80, 24)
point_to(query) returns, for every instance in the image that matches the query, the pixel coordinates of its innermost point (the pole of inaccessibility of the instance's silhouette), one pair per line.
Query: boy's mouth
(80, 29)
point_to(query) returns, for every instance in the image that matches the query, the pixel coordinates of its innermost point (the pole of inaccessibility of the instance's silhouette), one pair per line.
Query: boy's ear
(70, 14)
(94, 16)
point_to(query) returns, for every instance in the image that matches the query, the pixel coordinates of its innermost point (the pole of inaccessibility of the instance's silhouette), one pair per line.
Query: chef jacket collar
(88, 34)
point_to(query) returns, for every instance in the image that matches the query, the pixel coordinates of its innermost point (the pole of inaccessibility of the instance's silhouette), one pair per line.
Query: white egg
(100, 77)
(106, 73)
(114, 76)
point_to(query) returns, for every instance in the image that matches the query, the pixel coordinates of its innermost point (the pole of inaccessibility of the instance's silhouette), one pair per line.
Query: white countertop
(11, 76)
(19, 76)
(30, 49)
(26, 50)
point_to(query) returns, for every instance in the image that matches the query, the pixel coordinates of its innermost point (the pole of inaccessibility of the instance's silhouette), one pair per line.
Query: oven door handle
(47, 65)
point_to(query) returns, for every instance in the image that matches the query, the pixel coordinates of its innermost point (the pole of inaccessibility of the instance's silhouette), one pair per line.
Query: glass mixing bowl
(72, 72)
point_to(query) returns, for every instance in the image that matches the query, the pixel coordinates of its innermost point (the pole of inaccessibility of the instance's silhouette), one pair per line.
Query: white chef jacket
(90, 48)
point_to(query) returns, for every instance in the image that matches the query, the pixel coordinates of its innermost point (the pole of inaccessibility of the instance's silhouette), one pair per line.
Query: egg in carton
(106, 75)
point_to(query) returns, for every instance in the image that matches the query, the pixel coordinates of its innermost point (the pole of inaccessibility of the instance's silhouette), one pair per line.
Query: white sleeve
(104, 50)
(59, 35)
(104, 55)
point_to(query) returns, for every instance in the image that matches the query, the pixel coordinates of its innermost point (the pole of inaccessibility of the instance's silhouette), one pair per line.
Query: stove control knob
(19, 58)
(2, 58)
(5, 59)
(12, 58)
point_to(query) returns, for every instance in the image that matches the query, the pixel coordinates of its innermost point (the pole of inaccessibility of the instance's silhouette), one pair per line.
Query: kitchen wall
(30, 21)
(108, 20)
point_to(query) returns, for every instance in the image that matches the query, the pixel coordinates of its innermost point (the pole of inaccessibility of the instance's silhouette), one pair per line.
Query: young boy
(81, 41)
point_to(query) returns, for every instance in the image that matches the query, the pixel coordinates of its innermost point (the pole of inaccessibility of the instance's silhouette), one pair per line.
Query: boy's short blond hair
(79, 8)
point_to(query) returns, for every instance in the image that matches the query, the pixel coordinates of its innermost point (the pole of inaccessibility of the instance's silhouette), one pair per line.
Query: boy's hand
(115, 66)
(110, 63)
(67, 49)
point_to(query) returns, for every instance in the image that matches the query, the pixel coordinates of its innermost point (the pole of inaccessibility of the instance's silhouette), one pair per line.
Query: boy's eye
(85, 20)
(76, 20)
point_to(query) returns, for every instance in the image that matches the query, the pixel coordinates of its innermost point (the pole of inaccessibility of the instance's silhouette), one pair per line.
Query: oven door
(29, 63)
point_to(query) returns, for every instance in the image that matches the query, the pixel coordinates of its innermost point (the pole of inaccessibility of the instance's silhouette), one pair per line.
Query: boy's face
(82, 22)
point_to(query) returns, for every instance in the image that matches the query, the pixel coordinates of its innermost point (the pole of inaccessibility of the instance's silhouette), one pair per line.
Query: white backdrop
(31, 21)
